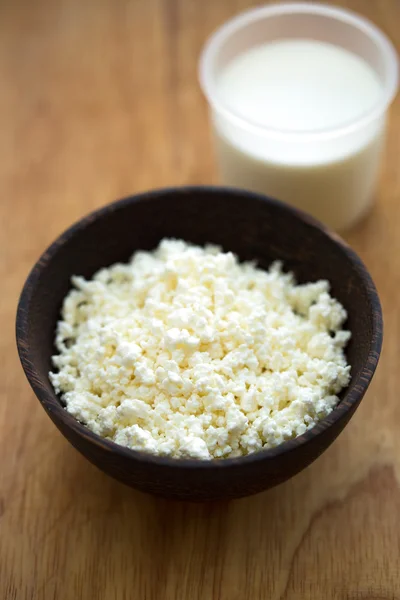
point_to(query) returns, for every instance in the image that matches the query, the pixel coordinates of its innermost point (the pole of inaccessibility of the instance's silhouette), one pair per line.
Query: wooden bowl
(252, 226)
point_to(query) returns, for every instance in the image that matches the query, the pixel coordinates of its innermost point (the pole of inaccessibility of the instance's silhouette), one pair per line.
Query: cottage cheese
(186, 352)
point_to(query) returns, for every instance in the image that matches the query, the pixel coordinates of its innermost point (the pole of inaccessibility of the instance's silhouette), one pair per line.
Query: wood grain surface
(98, 99)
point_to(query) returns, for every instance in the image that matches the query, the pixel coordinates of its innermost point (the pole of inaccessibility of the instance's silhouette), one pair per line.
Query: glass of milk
(299, 96)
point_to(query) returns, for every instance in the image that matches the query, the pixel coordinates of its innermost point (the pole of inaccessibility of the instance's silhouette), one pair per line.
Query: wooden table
(98, 99)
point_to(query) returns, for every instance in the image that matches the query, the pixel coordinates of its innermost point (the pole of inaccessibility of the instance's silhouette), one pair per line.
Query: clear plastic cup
(330, 173)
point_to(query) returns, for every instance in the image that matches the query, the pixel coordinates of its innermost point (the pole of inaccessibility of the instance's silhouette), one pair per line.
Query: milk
(302, 91)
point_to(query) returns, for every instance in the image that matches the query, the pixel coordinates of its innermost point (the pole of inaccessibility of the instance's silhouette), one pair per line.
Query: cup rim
(232, 26)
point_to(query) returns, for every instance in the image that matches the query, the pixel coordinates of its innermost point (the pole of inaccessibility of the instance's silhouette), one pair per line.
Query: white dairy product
(298, 88)
(188, 353)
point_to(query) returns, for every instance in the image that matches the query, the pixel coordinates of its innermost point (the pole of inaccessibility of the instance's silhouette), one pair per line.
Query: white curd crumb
(185, 352)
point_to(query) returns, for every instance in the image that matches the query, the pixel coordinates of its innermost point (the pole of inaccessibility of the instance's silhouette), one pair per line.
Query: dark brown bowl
(252, 226)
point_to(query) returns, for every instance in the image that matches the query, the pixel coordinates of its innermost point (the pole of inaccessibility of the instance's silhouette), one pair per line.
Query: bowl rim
(57, 412)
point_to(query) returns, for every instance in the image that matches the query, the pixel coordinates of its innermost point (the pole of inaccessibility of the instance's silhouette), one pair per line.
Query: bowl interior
(251, 226)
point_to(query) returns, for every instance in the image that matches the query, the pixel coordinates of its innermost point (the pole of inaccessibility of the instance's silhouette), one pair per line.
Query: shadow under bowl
(255, 228)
